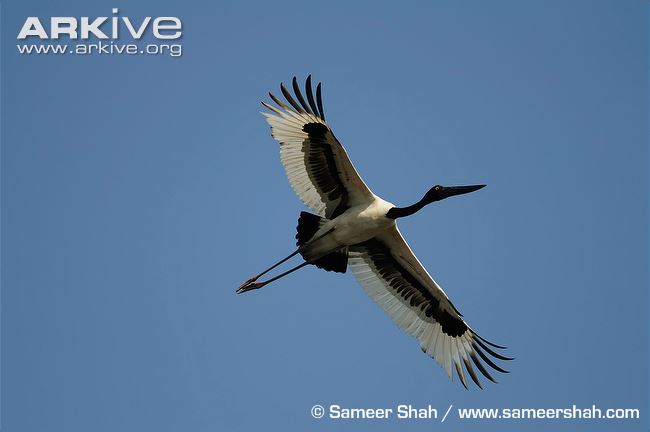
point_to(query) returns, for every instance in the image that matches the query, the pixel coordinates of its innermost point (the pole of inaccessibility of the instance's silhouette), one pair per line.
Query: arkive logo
(162, 27)
(106, 30)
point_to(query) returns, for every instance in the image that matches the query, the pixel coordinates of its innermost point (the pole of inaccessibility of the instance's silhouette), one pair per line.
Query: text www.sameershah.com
(548, 413)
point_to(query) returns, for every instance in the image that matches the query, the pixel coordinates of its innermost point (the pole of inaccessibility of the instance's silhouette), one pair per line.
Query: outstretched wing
(316, 163)
(395, 279)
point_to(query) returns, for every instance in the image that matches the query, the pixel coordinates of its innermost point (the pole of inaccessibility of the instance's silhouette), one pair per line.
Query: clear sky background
(139, 192)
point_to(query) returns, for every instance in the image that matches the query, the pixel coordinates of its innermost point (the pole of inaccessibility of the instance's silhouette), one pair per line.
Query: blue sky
(139, 191)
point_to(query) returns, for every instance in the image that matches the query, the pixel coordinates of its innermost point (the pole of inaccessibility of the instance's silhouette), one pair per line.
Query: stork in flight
(355, 228)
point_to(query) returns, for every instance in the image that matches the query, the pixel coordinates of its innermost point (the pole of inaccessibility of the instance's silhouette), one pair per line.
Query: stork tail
(308, 225)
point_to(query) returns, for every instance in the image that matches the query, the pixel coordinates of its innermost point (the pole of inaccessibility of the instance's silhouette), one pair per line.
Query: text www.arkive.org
(110, 48)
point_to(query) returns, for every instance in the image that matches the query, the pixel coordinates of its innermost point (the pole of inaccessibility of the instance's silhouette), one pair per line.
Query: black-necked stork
(355, 228)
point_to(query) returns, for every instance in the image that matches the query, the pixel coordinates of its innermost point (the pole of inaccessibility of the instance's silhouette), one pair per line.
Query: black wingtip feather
(319, 100)
(296, 90)
(279, 102)
(310, 96)
(492, 353)
(487, 360)
(481, 368)
(490, 343)
(472, 374)
(289, 99)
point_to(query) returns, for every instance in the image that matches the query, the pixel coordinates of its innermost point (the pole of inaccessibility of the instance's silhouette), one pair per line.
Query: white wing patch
(291, 138)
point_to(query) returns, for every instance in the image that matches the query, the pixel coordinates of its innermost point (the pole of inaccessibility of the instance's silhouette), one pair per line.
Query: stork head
(438, 192)
(434, 194)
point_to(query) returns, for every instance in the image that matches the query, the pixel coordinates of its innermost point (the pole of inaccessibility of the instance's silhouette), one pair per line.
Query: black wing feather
(289, 99)
(310, 97)
(296, 90)
(487, 360)
(469, 368)
(319, 100)
(410, 289)
(480, 367)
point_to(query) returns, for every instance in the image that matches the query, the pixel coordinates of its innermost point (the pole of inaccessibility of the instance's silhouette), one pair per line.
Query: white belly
(359, 225)
(356, 225)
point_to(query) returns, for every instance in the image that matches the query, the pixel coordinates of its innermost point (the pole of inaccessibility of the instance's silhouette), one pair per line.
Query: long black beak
(459, 190)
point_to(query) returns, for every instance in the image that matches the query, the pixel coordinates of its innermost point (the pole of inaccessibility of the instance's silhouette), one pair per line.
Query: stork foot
(250, 287)
(248, 282)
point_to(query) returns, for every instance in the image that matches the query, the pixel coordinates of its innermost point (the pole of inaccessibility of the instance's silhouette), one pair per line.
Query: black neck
(398, 212)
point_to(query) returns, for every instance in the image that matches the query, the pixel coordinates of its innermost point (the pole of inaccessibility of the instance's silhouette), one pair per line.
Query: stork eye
(437, 188)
